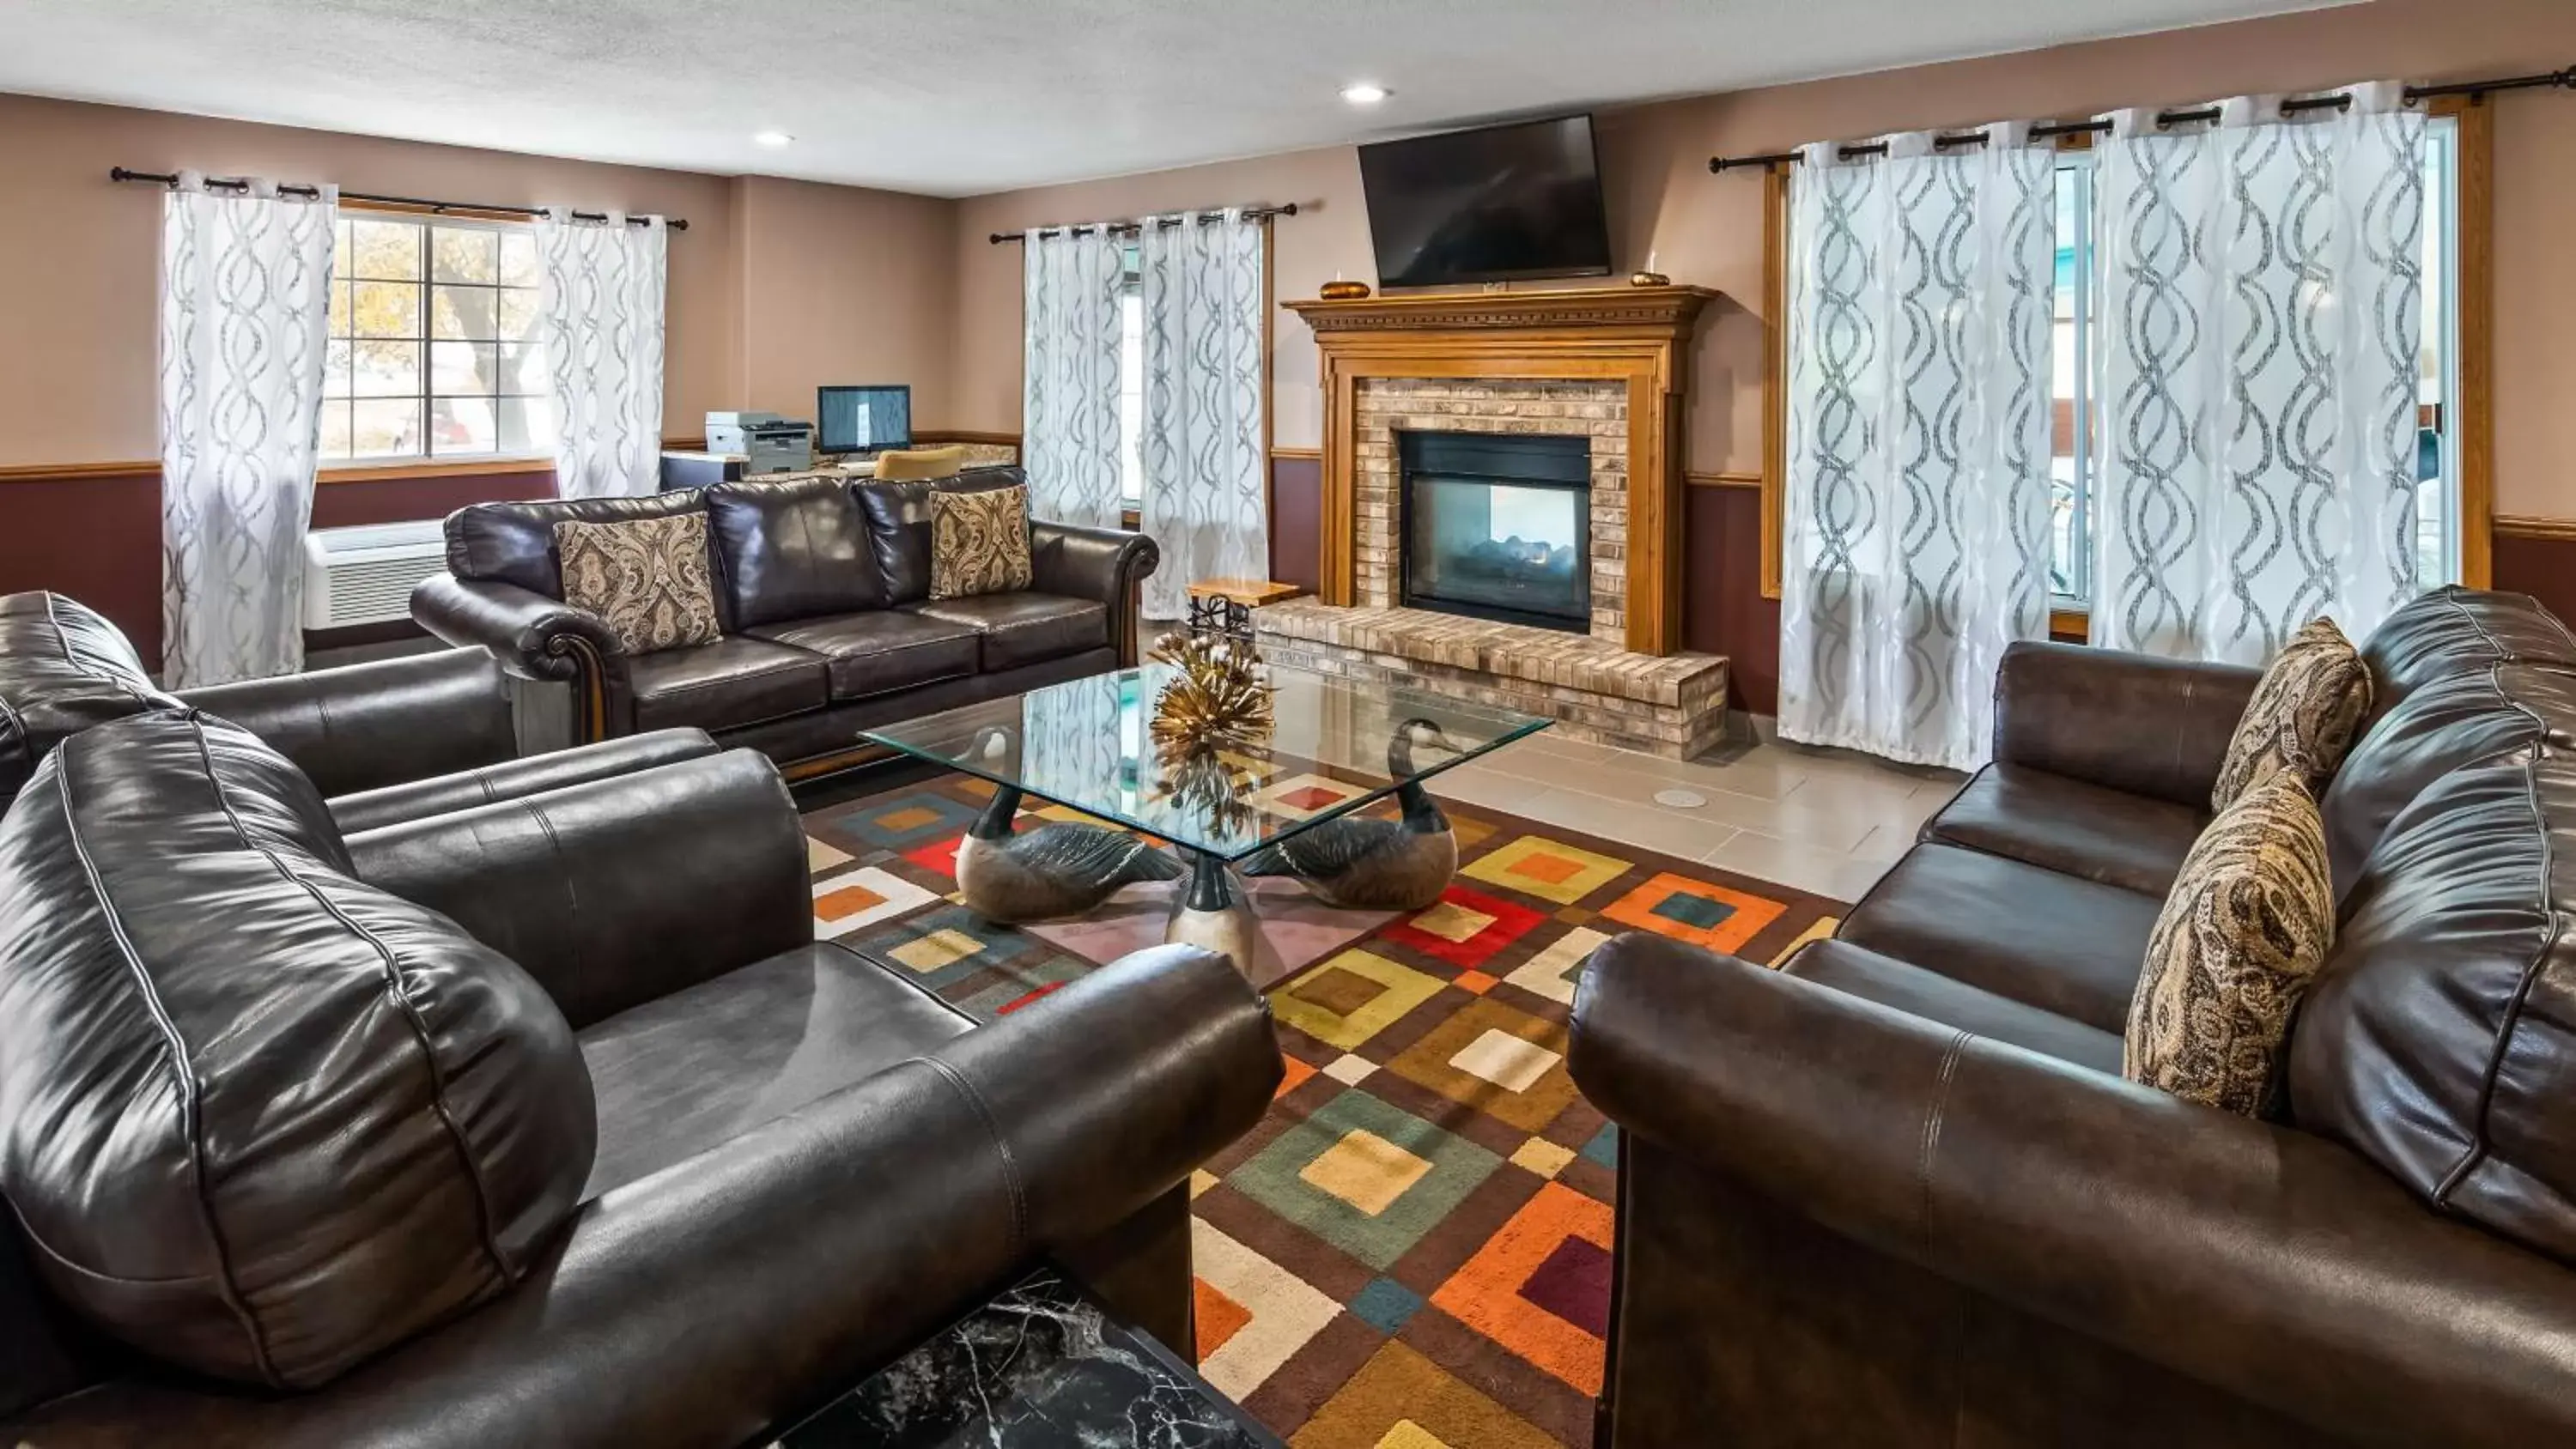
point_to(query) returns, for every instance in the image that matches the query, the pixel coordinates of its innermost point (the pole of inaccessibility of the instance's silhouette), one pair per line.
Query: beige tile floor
(1826, 821)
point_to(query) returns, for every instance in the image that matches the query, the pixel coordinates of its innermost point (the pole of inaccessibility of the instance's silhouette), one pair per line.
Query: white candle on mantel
(1650, 259)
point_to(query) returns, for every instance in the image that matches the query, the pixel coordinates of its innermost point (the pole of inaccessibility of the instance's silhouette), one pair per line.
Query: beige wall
(775, 287)
(843, 285)
(1708, 229)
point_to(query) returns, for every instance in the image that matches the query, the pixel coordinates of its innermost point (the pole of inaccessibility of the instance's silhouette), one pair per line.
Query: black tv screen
(1490, 205)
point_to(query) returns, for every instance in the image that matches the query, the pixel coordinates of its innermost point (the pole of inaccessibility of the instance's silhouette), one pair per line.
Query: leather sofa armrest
(389, 722)
(1106, 564)
(702, 1305)
(533, 636)
(616, 891)
(515, 779)
(2131, 722)
(2261, 1259)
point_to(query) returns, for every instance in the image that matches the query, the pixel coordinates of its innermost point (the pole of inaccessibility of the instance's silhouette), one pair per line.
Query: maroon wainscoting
(1723, 608)
(2544, 568)
(1297, 520)
(96, 536)
(400, 500)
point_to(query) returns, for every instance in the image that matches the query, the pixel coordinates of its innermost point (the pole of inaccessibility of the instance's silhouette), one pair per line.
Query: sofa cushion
(880, 651)
(792, 550)
(2451, 629)
(2439, 1041)
(514, 543)
(701, 1066)
(899, 524)
(2306, 711)
(646, 578)
(1025, 628)
(2056, 942)
(1861, 972)
(266, 1120)
(737, 680)
(2470, 714)
(63, 668)
(2233, 950)
(2070, 826)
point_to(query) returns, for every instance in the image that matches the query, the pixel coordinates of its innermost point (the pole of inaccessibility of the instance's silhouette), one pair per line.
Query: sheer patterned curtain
(1205, 502)
(601, 309)
(1071, 281)
(1915, 513)
(2262, 316)
(245, 309)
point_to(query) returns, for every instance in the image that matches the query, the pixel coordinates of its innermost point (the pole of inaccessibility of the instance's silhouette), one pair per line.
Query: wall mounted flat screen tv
(1498, 204)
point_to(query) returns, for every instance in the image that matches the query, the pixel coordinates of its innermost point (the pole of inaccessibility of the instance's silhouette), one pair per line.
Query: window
(433, 350)
(1131, 379)
(2073, 464)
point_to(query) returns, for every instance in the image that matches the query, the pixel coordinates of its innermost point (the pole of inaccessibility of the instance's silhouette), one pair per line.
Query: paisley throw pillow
(646, 576)
(2303, 717)
(2241, 936)
(979, 542)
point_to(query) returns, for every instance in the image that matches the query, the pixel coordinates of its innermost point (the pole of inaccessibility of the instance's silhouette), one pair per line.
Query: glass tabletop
(1336, 745)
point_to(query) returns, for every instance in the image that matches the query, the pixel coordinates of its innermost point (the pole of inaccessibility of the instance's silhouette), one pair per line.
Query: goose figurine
(1363, 863)
(1061, 868)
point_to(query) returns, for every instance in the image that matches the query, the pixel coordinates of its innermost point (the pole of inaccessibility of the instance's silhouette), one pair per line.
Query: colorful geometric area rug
(1413, 1247)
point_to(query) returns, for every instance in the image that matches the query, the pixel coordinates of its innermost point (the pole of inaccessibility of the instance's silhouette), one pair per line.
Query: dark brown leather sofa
(390, 741)
(803, 1164)
(1897, 1193)
(823, 591)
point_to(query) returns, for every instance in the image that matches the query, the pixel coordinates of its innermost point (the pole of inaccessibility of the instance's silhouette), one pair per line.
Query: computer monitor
(862, 419)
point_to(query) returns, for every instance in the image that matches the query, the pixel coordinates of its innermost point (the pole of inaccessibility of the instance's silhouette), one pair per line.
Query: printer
(768, 442)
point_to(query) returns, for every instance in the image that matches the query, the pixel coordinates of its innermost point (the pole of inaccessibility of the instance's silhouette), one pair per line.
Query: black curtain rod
(2476, 90)
(237, 183)
(1129, 228)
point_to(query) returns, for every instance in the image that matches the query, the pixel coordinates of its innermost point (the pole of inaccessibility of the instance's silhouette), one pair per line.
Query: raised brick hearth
(1671, 704)
(1606, 364)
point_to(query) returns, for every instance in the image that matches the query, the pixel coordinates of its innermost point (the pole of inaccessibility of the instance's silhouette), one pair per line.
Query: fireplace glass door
(1499, 526)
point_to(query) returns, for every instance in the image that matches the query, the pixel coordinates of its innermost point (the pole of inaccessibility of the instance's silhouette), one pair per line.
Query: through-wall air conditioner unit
(365, 575)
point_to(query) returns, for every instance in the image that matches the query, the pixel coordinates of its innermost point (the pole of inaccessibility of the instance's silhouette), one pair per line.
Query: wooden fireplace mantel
(1636, 335)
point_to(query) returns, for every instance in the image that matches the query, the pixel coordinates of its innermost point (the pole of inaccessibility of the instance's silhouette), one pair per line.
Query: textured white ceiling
(960, 97)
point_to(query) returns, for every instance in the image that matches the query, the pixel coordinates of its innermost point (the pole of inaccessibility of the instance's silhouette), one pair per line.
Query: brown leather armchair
(804, 1164)
(822, 587)
(388, 741)
(1896, 1191)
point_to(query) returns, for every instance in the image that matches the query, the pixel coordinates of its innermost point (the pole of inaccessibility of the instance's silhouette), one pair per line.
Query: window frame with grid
(406, 381)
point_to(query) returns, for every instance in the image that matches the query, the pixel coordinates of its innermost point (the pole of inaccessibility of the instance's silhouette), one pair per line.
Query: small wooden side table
(1224, 606)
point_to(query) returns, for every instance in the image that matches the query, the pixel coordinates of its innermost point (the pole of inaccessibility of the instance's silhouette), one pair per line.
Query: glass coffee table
(1287, 804)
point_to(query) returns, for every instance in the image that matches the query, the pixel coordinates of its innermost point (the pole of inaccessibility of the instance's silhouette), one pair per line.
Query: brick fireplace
(1395, 410)
(1607, 366)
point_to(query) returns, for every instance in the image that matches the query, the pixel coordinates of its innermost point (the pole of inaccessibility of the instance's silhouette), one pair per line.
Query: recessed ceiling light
(773, 138)
(1364, 93)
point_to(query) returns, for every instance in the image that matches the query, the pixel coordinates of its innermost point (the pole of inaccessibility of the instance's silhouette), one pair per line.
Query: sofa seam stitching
(2480, 1145)
(403, 1004)
(1001, 1148)
(1930, 1143)
(572, 888)
(191, 1091)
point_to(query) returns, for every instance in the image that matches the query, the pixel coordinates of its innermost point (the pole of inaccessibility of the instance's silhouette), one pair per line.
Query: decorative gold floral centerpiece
(1218, 703)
